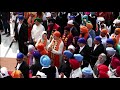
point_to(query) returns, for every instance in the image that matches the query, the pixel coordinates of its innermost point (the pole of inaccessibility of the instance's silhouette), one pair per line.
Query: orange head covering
(16, 74)
(41, 48)
(89, 25)
(115, 41)
(104, 31)
(57, 34)
(118, 30)
(83, 29)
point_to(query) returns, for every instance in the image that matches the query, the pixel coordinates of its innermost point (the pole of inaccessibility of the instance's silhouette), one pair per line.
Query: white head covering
(100, 19)
(31, 48)
(48, 14)
(41, 74)
(44, 32)
(71, 47)
(4, 72)
(116, 21)
(70, 22)
(110, 50)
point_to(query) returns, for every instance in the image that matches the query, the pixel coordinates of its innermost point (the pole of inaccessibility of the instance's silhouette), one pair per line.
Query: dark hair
(52, 20)
(67, 28)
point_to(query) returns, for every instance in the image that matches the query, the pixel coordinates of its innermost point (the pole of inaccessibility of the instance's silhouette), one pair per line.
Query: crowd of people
(64, 44)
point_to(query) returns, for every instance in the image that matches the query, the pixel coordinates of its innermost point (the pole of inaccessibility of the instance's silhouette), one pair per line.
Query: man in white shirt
(37, 30)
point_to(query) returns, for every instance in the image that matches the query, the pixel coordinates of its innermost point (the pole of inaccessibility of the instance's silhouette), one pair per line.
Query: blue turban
(45, 61)
(78, 57)
(21, 17)
(98, 38)
(110, 50)
(68, 54)
(87, 71)
(36, 54)
(71, 17)
(82, 40)
(110, 41)
(20, 55)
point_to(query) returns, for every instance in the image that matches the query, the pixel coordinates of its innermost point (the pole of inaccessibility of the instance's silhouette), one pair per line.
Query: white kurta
(76, 73)
(37, 31)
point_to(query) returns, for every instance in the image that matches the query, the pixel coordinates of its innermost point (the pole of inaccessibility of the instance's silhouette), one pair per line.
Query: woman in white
(43, 40)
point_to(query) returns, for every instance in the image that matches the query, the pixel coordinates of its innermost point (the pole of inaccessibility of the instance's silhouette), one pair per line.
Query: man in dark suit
(84, 51)
(21, 35)
(97, 49)
(22, 65)
(6, 22)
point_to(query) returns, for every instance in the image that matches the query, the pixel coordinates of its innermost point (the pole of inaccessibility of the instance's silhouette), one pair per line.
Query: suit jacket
(95, 53)
(5, 16)
(86, 53)
(24, 68)
(23, 33)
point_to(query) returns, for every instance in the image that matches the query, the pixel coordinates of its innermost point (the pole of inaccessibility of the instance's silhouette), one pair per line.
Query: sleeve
(49, 44)
(37, 42)
(89, 41)
(57, 74)
(60, 49)
(26, 34)
(32, 36)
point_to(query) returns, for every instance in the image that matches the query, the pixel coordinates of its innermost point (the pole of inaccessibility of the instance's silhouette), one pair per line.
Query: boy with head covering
(49, 70)
(97, 49)
(21, 35)
(37, 29)
(84, 51)
(55, 48)
(22, 65)
(65, 68)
